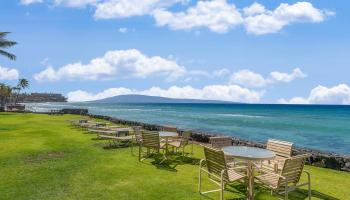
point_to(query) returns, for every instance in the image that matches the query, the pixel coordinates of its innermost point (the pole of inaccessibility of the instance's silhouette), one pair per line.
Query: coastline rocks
(317, 158)
(74, 111)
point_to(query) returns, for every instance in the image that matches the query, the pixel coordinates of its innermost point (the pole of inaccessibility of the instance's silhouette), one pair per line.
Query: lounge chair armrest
(201, 163)
(308, 174)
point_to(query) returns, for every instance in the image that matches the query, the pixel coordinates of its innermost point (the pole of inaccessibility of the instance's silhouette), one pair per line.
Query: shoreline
(318, 158)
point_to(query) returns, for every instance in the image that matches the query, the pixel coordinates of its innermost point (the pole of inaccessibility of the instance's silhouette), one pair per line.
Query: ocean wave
(240, 115)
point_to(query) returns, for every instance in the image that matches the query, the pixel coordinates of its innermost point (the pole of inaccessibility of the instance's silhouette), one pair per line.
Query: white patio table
(250, 154)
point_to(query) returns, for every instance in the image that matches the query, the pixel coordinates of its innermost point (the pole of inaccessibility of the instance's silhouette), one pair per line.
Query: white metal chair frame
(288, 180)
(219, 179)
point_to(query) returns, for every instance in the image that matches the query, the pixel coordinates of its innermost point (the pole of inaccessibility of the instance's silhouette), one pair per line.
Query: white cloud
(76, 3)
(8, 74)
(339, 94)
(217, 15)
(210, 92)
(260, 21)
(248, 78)
(284, 77)
(123, 30)
(28, 2)
(126, 8)
(221, 72)
(254, 9)
(251, 79)
(119, 63)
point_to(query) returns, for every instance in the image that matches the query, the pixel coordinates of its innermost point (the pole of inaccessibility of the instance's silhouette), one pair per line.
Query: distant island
(152, 99)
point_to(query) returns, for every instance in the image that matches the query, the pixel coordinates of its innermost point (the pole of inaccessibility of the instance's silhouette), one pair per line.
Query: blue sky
(248, 51)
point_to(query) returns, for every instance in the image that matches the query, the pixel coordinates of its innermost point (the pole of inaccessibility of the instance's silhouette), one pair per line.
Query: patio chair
(137, 136)
(287, 180)
(219, 142)
(169, 128)
(283, 150)
(182, 142)
(217, 171)
(150, 140)
(137, 133)
(115, 141)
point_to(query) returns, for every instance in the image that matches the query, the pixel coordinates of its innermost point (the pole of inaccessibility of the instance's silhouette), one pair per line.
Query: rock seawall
(317, 158)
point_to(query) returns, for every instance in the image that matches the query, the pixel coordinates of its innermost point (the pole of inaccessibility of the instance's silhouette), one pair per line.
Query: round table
(167, 135)
(249, 154)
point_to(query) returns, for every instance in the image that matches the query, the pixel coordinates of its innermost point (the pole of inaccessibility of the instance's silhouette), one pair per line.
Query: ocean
(319, 127)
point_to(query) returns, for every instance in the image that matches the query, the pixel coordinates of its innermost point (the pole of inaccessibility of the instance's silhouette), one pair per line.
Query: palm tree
(4, 43)
(5, 93)
(22, 84)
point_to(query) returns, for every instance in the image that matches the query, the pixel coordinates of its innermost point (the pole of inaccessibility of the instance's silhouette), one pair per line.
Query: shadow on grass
(298, 194)
(302, 194)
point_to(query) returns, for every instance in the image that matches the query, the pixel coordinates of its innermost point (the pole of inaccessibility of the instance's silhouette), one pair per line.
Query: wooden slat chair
(219, 142)
(169, 128)
(150, 140)
(283, 150)
(217, 171)
(115, 141)
(137, 135)
(287, 180)
(182, 142)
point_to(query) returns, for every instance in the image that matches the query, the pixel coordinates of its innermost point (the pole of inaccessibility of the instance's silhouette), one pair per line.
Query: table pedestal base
(250, 174)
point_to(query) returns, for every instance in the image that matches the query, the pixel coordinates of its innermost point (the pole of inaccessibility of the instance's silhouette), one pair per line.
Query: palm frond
(3, 34)
(7, 54)
(6, 43)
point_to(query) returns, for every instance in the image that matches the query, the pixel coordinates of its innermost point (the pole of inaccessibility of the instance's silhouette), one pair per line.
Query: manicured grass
(42, 157)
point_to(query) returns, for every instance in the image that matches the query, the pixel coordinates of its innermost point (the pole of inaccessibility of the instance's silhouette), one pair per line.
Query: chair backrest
(281, 148)
(137, 130)
(169, 128)
(186, 135)
(150, 139)
(215, 160)
(292, 169)
(219, 142)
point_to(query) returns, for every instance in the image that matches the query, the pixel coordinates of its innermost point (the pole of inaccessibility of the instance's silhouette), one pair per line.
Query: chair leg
(309, 185)
(140, 150)
(200, 177)
(286, 194)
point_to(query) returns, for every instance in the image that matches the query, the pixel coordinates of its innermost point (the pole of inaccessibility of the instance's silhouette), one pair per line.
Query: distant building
(41, 97)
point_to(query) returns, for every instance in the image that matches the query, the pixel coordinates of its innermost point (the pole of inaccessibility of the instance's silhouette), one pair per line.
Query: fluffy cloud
(126, 8)
(210, 92)
(260, 21)
(217, 15)
(339, 94)
(123, 30)
(76, 3)
(251, 79)
(284, 77)
(220, 16)
(122, 63)
(28, 2)
(248, 78)
(8, 74)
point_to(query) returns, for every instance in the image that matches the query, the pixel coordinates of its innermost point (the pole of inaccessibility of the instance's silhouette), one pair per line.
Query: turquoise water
(325, 128)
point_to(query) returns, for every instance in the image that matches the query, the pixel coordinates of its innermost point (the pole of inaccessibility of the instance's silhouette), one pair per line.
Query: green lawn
(42, 157)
